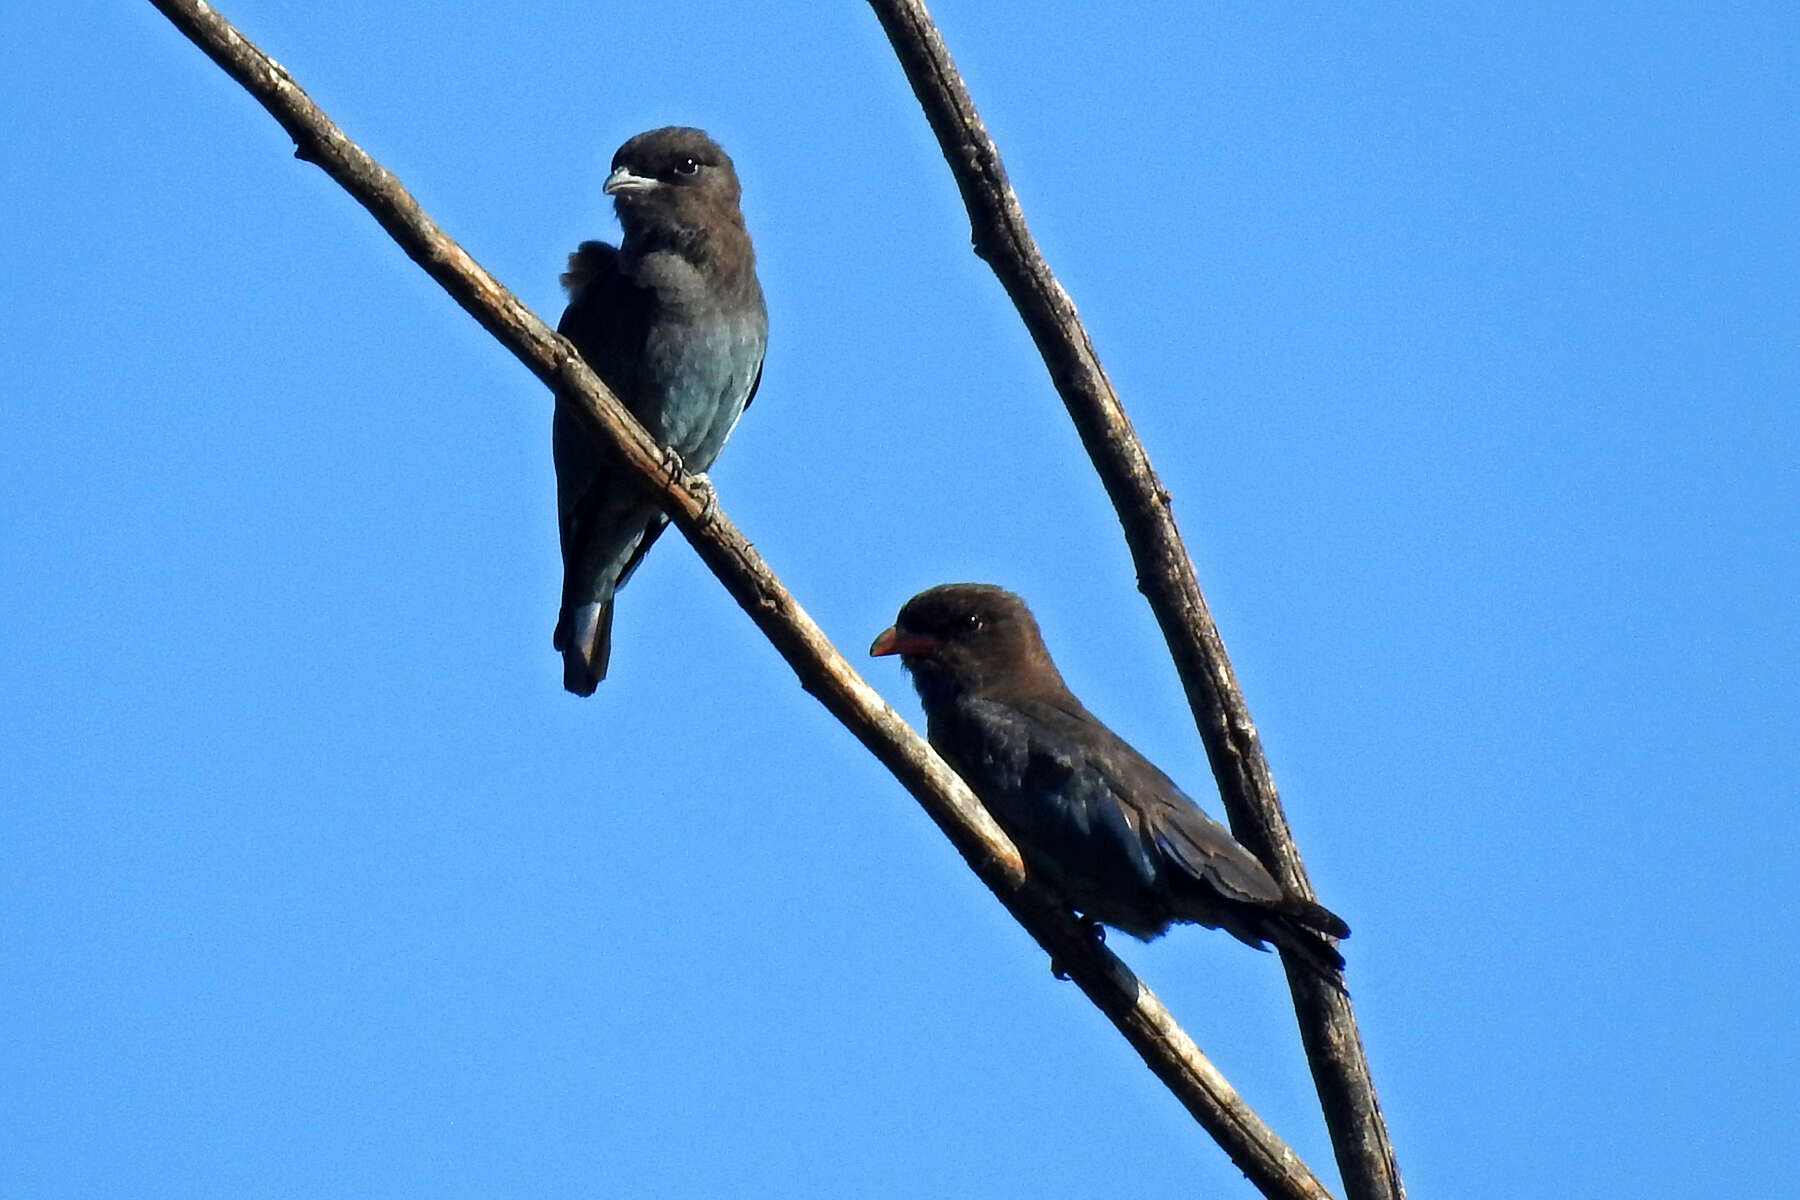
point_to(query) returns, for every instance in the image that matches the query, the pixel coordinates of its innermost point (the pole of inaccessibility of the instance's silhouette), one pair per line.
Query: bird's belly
(697, 380)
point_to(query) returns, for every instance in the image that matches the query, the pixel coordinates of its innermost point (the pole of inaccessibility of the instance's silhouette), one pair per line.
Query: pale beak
(622, 180)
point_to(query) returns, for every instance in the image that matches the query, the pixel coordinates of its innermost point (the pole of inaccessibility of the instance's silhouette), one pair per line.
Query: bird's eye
(687, 166)
(974, 623)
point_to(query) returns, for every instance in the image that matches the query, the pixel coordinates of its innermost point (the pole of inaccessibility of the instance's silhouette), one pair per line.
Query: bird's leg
(699, 486)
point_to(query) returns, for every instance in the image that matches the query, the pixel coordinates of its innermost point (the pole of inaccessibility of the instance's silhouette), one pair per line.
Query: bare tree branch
(1268, 1162)
(1165, 575)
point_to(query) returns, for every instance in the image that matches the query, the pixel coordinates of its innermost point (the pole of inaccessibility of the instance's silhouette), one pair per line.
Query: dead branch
(1267, 1161)
(1165, 576)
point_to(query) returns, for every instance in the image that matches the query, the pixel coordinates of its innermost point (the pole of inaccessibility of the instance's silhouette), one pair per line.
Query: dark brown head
(970, 639)
(668, 183)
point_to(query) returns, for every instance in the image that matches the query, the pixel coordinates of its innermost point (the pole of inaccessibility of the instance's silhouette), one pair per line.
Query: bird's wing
(1206, 850)
(654, 530)
(591, 260)
(607, 319)
(754, 385)
(1061, 791)
(1152, 807)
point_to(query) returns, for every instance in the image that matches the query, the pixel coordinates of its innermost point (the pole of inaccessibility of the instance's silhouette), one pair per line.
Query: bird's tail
(584, 635)
(1316, 916)
(1304, 928)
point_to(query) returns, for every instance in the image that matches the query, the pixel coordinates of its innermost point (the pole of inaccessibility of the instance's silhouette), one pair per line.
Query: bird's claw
(672, 465)
(702, 490)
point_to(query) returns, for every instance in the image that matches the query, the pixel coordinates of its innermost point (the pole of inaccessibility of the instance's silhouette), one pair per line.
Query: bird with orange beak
(1093, 818)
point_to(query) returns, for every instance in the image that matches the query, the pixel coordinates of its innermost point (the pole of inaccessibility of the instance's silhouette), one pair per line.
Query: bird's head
(970, 639)
(673, 181)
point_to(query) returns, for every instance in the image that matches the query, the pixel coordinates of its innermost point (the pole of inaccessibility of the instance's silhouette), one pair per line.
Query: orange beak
(892, 641)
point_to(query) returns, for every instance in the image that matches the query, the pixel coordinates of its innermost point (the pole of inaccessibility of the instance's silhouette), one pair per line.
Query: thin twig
(1269, 1163)
(1165, 575)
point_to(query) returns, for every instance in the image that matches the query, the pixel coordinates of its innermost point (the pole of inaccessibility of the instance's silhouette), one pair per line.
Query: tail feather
(1304, 933)
(584, 635)
(1316, 916)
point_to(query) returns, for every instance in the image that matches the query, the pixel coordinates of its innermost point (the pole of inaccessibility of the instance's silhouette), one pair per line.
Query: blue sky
(1464, 338)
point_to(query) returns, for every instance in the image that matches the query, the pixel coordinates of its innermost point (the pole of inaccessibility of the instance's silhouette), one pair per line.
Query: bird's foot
(672, 465)
(702, 490)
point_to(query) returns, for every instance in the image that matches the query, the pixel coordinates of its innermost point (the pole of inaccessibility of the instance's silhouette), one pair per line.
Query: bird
(1093, 818)
(673, 321)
